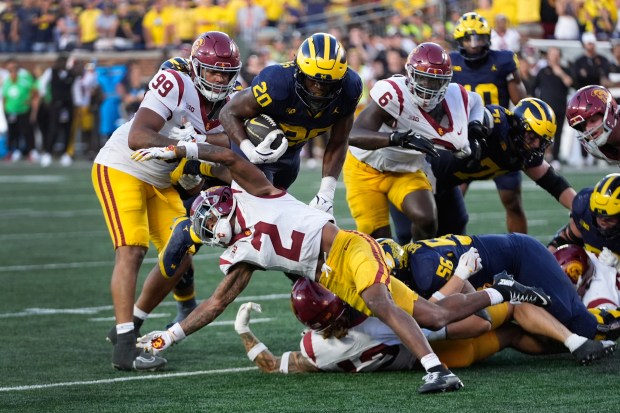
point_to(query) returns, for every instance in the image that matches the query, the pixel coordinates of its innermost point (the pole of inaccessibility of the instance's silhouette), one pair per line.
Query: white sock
(139, 313)
(494, 295)
(574, 341)
(429, 361)
(123, 328)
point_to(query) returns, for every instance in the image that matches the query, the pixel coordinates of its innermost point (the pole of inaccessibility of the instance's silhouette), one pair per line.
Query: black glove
(415, 141)
(476, 134)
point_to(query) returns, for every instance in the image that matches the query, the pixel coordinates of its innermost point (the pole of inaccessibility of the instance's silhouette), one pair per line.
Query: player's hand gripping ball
(260, 127)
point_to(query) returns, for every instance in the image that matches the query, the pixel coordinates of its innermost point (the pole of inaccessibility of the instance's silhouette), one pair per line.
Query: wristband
(205, 168)
(328, 185)
(256, 350)
(438, 296)
(463, 275)
(284, 362)
(177, 332)
(191, 149)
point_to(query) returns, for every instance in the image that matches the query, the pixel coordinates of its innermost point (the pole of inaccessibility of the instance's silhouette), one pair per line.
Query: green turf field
(55, 308)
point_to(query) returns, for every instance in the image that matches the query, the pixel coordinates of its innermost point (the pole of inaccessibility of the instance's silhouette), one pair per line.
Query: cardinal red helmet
(429, 71)
(215, 52)
(587, 102)
(573, 260)
(314, 305)
(219, 202)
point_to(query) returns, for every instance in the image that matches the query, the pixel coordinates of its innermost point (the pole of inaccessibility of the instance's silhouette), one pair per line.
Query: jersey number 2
(271, 231)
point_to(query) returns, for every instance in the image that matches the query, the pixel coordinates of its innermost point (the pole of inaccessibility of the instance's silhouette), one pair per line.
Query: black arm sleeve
(565, 236)
(553, 183)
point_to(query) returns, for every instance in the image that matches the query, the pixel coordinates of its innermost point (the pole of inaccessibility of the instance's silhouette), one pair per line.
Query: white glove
(186, 133)
(262, 153)
(324, 200)
(608, 258)
(243, 316)
(469, 264)
(146, 154)
(157, 341)
(463, 153)
(189, 182)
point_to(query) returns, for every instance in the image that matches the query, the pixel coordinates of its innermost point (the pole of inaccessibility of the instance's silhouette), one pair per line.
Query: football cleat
(126, 357)
(439, 382)
(592, 350)
(517, 293)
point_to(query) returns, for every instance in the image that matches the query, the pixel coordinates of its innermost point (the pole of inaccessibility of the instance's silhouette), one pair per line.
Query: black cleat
(593, 350)
(439, 382)
(516, 293)
(127, 357)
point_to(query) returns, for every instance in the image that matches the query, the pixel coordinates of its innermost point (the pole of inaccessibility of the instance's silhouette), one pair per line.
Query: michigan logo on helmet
(605, 203)
(396, 256)
(320, 67)
(535, 125)
(314, 305)
(177, 63)
(215, 52)
(473, 35)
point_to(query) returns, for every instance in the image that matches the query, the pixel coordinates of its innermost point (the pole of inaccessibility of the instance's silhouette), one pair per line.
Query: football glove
(415, 141)
(146, 154)
(324, 199)
(189, 182)
(186, 133)
(157, 341)
(606, 257)
(243, 316)
(469, 264)
(262, 153)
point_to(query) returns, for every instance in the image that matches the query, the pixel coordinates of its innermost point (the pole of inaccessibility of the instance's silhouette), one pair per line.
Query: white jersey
(603, 286)
(368, 346)
(393, 96)
(172, 96)
(275, 233)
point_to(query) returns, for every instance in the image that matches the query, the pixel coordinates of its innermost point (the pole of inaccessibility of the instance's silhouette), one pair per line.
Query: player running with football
(314, 95)
(260, 227)
(138, 202)
(389, 141)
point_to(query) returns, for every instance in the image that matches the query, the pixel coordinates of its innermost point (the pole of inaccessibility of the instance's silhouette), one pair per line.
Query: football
(259, 127)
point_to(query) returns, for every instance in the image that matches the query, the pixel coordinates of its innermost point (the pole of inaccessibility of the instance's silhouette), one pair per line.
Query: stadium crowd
(376, 47)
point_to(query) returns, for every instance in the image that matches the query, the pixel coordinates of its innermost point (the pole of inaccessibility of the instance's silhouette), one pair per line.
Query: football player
(494, 75)
(389, 142)
(138, 201)
(341, 339)
(260, 227)
(593, 113)
(516, 142)
(427, 265)
(314, 95)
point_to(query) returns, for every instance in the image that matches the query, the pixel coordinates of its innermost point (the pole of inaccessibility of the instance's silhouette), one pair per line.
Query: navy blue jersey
(432, 262)
(581, 214)
(274, 90)
(488, 78)
(498, 156)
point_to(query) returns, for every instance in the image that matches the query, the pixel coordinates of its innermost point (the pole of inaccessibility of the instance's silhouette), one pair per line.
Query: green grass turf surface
(55, 309)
